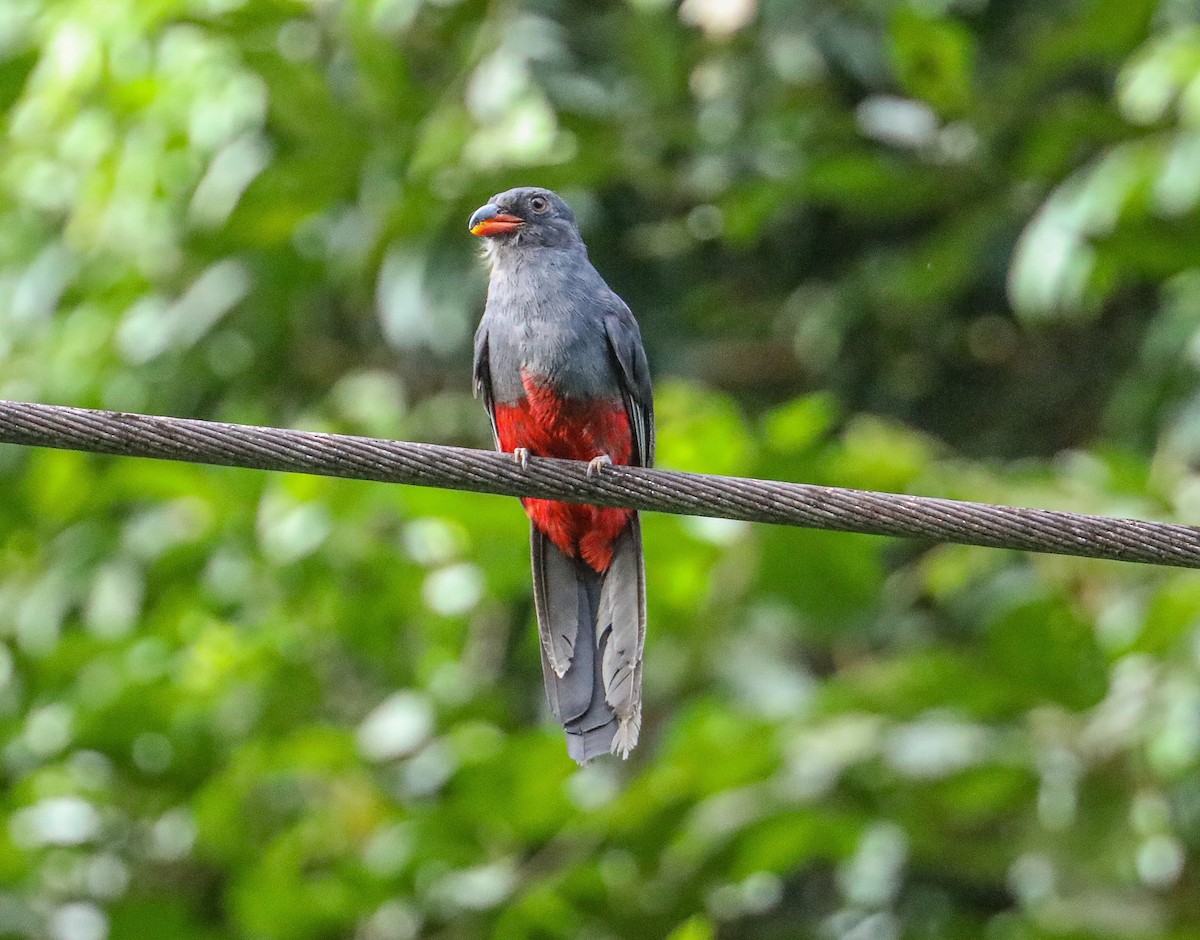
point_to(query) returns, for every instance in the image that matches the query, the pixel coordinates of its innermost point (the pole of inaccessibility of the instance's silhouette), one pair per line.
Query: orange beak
(489, 220)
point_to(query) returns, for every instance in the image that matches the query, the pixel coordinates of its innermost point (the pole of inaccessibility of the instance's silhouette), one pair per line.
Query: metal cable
(819, 507)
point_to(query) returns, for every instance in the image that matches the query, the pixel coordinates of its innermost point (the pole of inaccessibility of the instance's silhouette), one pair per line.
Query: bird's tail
(593, 628)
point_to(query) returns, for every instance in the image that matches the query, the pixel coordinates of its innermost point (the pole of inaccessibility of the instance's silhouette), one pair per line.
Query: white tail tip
(626, 738)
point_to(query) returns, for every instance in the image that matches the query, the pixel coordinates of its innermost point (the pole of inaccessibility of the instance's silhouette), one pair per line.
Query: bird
(561, 369)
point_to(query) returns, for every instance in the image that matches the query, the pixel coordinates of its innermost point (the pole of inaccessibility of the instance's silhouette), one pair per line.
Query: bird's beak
(490, 220)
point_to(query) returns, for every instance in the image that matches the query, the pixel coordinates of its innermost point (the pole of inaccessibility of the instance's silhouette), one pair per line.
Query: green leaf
(934, 59)
(694, 928)
(1048, 654)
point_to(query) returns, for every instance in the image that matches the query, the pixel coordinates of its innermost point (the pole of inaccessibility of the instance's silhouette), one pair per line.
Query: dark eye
(539, 203)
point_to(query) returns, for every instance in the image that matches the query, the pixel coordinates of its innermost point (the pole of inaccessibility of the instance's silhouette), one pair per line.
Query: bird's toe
(597, 463)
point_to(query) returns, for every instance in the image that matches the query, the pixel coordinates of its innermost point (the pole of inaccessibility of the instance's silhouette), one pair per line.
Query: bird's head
(525, 216)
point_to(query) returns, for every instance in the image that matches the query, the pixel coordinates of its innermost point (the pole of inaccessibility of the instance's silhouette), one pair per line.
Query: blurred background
(947, 247)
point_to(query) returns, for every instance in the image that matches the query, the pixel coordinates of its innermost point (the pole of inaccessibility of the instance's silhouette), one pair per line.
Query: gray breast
(548, 319)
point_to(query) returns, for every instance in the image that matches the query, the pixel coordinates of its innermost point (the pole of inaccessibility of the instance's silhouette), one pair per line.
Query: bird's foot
(597, 463)
(521, 456)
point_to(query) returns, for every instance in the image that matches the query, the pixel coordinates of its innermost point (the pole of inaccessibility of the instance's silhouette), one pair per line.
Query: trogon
(560, 367)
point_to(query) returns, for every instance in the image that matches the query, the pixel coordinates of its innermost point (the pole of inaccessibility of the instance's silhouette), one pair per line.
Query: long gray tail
(593, 628)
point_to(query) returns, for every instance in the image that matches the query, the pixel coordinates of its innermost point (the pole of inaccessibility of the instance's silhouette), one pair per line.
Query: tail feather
(563, 606)
(622, 619)
(582, 746)
(592, 627)
(559, 601)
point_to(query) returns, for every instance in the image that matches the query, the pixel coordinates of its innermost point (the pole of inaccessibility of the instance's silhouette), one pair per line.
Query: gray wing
(621, 617)
(481, 376)
(633, 374)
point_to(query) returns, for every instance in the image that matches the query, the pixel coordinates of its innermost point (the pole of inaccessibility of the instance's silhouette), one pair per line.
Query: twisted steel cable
(458, 468)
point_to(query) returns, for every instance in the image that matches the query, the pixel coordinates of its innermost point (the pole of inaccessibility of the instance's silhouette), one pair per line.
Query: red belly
(548, 425)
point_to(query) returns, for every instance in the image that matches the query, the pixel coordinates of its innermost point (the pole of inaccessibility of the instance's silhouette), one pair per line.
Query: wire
(458, 468)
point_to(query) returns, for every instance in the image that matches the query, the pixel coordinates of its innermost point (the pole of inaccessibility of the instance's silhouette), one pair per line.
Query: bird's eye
(539, 204)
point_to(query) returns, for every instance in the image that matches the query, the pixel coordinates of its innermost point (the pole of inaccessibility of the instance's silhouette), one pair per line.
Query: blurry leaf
(799, 424)
(520, 793)
(14, 72)
(62, 485)
(934, 59)
(908, 686)
(791, 840)
(983, 795)
(541, 913)
(441, 141)
(706, 730)
(700, 430)
(695, 928)
(1172, 618)
(873, 185)
(877, 456)
(831, 578)
(1101, 29)
(145, 918)
(1048, 654)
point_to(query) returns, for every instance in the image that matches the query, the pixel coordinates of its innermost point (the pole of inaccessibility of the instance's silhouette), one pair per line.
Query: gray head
(527, 216)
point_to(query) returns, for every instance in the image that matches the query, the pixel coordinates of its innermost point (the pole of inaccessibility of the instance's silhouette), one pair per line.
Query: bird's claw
(521, 456)
(596, 463)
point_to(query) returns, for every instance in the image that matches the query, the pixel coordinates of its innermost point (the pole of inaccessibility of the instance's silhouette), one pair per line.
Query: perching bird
(560, 365)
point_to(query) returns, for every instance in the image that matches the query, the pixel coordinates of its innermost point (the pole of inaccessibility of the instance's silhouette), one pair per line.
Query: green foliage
(946, 247)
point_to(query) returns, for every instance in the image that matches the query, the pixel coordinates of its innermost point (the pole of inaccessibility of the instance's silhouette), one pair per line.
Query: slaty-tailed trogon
(560, 365)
